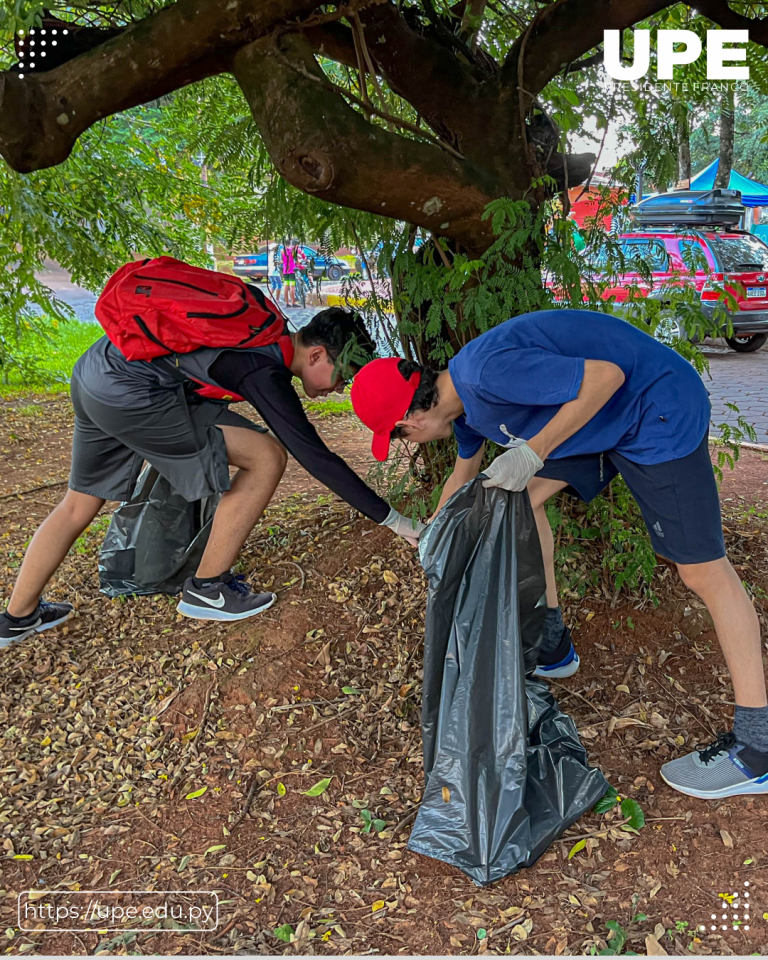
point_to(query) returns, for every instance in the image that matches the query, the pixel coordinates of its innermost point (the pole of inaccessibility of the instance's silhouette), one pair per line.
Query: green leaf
(482, 933)
(632, 809)
(351, 691)
(379, 825)
(184, 861)
(571, 96)
(196, 793)
(215, 848)
(617, 941)
(320, 787)
(284, 933)
(608, 802)
(281, 791)
(576, 847)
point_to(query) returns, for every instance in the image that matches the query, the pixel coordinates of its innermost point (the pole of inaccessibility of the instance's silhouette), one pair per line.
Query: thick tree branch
(720, 13)
(564, 31)
(439, 86)
(334, 41)
(324, 147)
(585, 64)
(42, 115)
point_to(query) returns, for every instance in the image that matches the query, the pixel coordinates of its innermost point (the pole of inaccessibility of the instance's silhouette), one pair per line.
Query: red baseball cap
(381, 396)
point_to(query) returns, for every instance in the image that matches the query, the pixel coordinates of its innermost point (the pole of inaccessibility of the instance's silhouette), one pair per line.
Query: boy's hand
(410, 530)
(514, 469)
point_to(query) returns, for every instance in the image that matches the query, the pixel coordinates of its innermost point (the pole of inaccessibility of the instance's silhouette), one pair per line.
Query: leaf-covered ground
(141, 751)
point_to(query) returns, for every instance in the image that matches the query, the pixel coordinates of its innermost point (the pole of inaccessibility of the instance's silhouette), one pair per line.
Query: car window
(651, 253)
(693, 255)
(739, 252)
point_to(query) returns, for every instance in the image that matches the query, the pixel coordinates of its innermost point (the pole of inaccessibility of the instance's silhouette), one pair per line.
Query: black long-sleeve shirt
(266, 384)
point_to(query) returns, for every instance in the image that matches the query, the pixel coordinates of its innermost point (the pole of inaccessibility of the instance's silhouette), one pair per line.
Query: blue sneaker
(725, 768)
(563, 662)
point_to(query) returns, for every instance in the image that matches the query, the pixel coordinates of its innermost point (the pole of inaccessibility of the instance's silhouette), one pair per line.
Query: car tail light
(713, 288)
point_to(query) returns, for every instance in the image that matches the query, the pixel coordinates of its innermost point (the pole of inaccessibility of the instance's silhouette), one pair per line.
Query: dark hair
(333, 328)
(426, 395)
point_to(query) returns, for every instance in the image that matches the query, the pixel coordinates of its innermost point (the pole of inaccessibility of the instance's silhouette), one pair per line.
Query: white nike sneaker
(227, 599)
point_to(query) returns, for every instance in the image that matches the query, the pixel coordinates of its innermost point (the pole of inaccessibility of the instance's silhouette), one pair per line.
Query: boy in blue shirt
(577, 398)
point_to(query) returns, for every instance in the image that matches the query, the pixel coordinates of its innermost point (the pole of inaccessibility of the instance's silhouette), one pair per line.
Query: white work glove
(411, 530)
(513, 469)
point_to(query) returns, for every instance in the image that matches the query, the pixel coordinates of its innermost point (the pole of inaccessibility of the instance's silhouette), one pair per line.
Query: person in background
(273, 270)
(288, 265)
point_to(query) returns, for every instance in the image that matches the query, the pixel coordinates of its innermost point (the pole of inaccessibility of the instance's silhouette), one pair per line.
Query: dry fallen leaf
(727, 838)
(522, 930)
(653, 948)
(446, 795)
(619, 723)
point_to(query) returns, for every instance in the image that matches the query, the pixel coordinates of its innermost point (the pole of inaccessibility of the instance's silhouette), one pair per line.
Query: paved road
(742, 379)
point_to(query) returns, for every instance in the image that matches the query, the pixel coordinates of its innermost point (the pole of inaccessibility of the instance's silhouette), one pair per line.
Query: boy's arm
(463, 472)
(266, 385)
(515, 468)
(601, 380)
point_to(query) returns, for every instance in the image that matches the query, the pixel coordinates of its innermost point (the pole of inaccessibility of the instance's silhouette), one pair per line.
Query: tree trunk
(727, 109)
(683, 145)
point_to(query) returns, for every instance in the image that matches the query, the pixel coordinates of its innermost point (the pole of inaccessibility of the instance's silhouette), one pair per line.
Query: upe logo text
(667, 57)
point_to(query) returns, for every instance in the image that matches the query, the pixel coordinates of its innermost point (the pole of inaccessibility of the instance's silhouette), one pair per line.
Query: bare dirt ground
(140, 751)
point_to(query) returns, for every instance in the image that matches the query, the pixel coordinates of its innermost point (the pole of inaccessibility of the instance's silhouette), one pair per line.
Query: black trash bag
(506, 773)
(155, 540)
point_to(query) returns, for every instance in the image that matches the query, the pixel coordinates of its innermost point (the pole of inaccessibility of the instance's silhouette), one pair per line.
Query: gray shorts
(179, 436)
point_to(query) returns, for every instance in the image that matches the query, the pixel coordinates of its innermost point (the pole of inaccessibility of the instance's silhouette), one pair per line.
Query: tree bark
(43, 114)
(324, 147)
(683, 144)
(724, 167)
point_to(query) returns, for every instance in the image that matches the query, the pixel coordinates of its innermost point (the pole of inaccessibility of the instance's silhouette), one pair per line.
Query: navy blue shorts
(678, 498)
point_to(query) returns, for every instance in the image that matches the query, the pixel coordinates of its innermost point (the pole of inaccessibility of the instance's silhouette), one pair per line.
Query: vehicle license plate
(755, 292)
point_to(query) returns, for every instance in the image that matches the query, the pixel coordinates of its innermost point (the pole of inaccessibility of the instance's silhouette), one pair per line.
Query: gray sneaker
(45, 617)
(227, 599)
(725, 768)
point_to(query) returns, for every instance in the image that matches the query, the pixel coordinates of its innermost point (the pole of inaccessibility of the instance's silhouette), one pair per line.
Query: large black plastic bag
(155, 540)
(506, 773)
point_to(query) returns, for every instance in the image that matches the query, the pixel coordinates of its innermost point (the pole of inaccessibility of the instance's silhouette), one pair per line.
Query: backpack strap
(166, 363)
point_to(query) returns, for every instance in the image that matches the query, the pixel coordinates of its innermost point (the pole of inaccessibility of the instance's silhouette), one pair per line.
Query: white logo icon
(218, 602)
(667, 56)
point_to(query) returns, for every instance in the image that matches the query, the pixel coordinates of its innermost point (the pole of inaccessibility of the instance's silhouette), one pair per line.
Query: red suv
(692, 237)
(736, 262)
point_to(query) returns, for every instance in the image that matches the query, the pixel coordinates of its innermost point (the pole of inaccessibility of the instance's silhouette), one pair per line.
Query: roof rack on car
(703, 208)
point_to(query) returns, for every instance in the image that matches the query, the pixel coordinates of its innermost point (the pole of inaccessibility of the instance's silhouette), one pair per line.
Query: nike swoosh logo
(29, 626)
(218, 602)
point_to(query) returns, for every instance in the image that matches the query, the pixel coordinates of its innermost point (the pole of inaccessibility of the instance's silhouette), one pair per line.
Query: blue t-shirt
(513, 379)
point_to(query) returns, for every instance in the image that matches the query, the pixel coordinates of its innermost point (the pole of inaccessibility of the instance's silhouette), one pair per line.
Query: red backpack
(153, 308)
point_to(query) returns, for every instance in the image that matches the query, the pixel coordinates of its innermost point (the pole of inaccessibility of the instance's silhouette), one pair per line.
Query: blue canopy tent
(753, 193)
